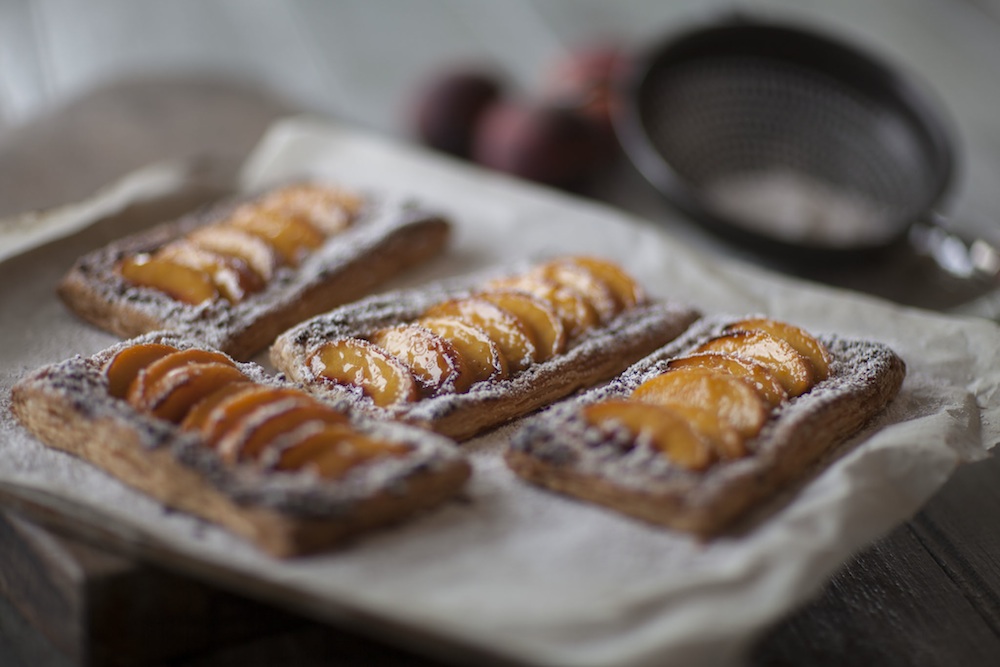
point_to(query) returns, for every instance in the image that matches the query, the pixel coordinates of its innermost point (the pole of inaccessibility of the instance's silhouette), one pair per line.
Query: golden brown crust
(386, 239)
(599, 355)
(67, 407)
(558, 451)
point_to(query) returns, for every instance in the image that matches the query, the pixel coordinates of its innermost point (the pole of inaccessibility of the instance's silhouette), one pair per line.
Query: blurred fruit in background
(449, 105)
(560, 136)
(544, 143)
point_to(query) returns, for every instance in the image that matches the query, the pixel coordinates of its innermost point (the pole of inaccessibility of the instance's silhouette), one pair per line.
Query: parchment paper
(513, 572)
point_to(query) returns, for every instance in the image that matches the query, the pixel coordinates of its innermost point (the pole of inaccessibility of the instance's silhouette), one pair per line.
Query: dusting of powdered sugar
(630, 329)
(219, 322)
(559, 436)
(81, 383)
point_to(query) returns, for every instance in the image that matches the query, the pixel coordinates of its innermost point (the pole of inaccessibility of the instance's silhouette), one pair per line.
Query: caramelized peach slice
(200, 411)
(140, 393)
(577, 315)
(506, 330)
(730, 399)
(664, 429)
(540, 319)
(174, 394)
(333, 450)
(754, 372)
(627, 291)
(251, 435)
(578, 278)
(292, 237)
(328, 209)
(233, 278)
(254, 251)
(123, 368)
(792, 369)
(803, 343)
(481, 355)
(355, 362)
(175, 280)
(213, 423)
(434, 361)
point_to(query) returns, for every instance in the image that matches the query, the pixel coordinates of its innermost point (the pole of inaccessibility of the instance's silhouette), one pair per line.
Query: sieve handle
(975, 259)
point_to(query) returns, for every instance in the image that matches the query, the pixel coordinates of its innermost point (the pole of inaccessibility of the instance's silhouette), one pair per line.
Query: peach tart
(239, 273)
(224, 441)
(702, 431)
(462, 359)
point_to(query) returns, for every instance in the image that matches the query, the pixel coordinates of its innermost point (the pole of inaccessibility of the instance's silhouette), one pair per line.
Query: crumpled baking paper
(512, 571)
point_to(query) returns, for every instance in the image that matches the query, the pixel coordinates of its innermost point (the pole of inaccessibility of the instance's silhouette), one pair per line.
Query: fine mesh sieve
(786, 140)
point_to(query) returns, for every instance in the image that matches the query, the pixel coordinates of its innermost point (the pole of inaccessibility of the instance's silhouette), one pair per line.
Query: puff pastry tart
(239, 273)
(460, 360)
(701, 432)
(224, 441)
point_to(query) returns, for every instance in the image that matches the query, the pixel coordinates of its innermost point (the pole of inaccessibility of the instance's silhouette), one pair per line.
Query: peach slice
(175, 280)
(431, 358)
(333, 450)
(292, 237)
(664, 429)
(481, 355)
(793, 370)
(251, 435)
(123, 368)
(729, 399)
(355, 362)
(213, 423)
(506, 330)
(328, 209)
(537, 316)
(578, 278)
(627, 291)
(254, 251)
(175, 393)
(140, 393)
(200, 411)
(576, 313)
(804, 343)
(232, 276)
(754, 372)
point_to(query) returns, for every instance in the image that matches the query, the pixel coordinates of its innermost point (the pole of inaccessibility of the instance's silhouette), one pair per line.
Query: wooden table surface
(89, 92)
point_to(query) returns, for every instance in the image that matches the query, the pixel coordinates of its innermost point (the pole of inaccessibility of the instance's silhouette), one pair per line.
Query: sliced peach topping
(755, 372)
(233, 277)
(359, 363)
(332, 451)
(200, 411)
(141, 393)
(803, 343)
(627, 291)
(503, 328)
(175, 393)
(248, 437)
(481, 355)
(254, 251)
(431, 358)
(123, 368)
(581, 280)
(577, 315)
(231, 409)
(793, 370)
(729, 399)
(664, 429)
(329, 209)
(292, 237)
(175, 280)
(537, 316)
